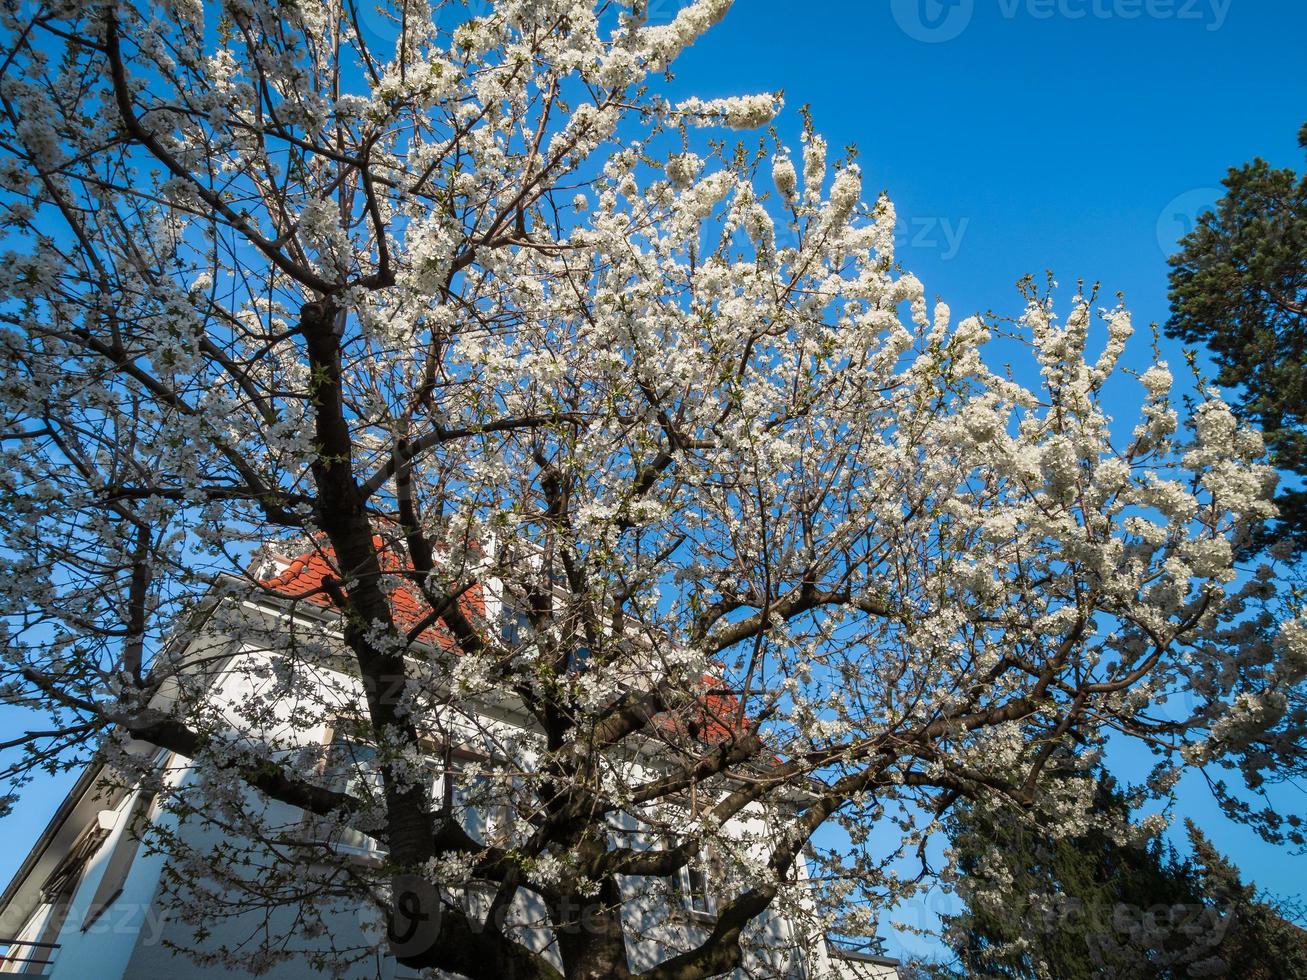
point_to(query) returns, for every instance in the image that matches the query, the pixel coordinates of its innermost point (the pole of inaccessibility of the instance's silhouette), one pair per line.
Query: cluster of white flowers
(662, 431)
(665, 42)
(736, 112)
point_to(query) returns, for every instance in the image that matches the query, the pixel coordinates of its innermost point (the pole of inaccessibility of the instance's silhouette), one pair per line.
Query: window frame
(346, 841)
(701, 864)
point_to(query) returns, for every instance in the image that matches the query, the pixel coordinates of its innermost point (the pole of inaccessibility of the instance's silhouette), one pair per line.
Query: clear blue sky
(1014, 136)
(1018, 136)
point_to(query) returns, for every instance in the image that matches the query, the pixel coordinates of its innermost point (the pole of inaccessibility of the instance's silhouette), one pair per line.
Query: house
(92, 898)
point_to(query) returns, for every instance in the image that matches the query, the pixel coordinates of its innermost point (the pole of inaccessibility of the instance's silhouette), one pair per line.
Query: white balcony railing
(31, 959)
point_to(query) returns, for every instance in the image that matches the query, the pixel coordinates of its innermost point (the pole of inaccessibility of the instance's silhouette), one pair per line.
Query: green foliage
(1090, 905)
(1260, 944)
(1239, 285)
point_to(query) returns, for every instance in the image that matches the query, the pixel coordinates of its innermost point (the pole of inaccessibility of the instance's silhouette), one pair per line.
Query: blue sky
(1014, 136)
(1018, 136)
(1062, 143)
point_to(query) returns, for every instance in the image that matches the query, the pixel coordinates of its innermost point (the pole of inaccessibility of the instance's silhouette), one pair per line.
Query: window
(65, 878)
(694, 884)
(474, 797)
(514, 626)
(459, 786)
(352, 767)
(58, 891)
(471, 803)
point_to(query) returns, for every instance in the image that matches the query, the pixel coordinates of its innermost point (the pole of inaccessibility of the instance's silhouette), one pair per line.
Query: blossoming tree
(454, 302)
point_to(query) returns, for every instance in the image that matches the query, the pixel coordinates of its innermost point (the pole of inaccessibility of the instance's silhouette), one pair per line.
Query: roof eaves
(70, 802)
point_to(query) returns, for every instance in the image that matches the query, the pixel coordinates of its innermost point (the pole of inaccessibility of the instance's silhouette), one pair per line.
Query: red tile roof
(305, 575)
(712, 718)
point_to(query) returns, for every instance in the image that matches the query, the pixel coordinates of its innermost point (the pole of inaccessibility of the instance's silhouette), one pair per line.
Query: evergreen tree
(1239, 285)
(1259, 943)
(1103, 904)
(1077, 907)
